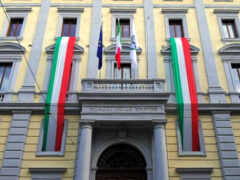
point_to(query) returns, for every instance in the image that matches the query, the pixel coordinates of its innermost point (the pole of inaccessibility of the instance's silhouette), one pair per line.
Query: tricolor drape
(186, 95)
(56, 95)
(118, 46)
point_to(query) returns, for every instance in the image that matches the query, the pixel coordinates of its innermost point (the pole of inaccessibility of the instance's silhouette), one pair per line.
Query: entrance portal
(121, 162)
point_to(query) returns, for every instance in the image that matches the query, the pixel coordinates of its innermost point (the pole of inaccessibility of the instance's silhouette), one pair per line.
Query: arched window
(126, 71)
(231, 61)
(10, 57)
(121, 161)
(73, 83)
(166, 52)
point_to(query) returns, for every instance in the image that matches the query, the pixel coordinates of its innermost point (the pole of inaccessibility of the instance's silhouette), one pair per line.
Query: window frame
(125, 59)
(121, 14)
(11, 53)
(69, 13)
(52, 153)
(230, 54)
(175, 14)
(223, 14)
(68, 28)
(124, 64)
(10, 25)
(15, 13)
(182, 153)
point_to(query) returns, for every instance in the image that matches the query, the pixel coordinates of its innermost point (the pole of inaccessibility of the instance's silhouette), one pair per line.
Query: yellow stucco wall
(30, 159)
(236, 130)
(68, 161)
(5, 122)
(211, 160)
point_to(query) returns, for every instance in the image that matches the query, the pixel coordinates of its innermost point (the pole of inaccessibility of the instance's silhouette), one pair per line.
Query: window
(228, 24)
(50, 147)
(10, 58)
(202, 151)
(18, 19)
(69, 27)
(175, 23)
(126, 19)
(123, 73)
(176, 28)
(69, 22)
(5, 70)
(15, 27)
(125, 27)
(126, 71)
(236, 76)
(229, 29)
(231, 60)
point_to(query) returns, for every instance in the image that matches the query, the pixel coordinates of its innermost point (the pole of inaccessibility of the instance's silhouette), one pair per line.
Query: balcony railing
(123, 86)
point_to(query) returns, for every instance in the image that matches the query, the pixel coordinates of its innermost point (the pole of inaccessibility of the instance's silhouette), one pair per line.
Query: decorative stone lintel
(123, 11)
(70, 10)
(18, 10)
(226, 11)
(174, 11)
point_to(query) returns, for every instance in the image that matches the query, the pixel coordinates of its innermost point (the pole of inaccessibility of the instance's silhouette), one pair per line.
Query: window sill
(11, 38)
(50, 154)
(191, 154)
(77, 38)
(230, 39)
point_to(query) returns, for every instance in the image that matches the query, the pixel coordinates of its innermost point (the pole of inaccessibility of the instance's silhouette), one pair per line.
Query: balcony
(116, 101)
(123, 86)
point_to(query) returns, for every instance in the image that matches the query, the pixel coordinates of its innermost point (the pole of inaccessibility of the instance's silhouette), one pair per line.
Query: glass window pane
(126, 32)
(73, 30)
(231, 31)
(179, 30)
(172, 33)
(5, 82)
(65, 30)
(13, 27)
(18, 30)
(117, 73)
(69, 27)
(126, 73)
(1, 72)
(236, 80)
(225, 31)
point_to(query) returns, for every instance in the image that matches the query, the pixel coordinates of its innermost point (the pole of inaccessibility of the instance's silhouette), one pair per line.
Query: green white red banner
(56, 95)
(186, 96)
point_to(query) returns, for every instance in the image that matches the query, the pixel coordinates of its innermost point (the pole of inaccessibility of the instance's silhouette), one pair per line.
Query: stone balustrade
(123, 86)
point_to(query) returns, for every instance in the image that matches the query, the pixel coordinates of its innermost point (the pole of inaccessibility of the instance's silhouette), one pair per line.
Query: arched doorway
(121, 162)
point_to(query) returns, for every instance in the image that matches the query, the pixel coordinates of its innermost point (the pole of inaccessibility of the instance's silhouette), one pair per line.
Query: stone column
(95, 31)
(82, 164)
(160, 151)
(26, 93)
(216, 93)
(150, 40)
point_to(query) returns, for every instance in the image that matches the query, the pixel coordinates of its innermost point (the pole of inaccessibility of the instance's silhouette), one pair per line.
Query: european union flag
(99, 51)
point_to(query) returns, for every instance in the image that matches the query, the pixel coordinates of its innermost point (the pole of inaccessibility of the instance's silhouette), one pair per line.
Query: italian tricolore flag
(118, 46)
(186, 95)
(56, 95)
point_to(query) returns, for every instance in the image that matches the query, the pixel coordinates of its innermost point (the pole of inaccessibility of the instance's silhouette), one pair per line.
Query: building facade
(119, 125)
